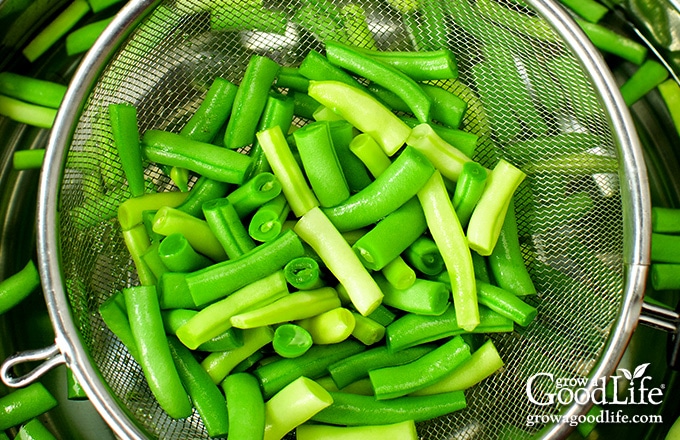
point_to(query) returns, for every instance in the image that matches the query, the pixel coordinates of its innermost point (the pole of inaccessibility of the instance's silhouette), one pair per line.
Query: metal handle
(668, 320)
(50, 356)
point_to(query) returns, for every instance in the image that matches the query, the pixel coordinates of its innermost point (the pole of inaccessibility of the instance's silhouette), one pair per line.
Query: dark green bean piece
(419, 65)
(665, 220)
(212, 113)
(34, 430)
(665, 248)
(648, 76)
(114, 314)
(267, 222)
(291, 340)
(227, 227)
(250, 101)
(83, 38)
(353, 409)
(203, 190)
(505, 303)
(424, 256)
(26, 113)
(206, 159)
(304, 105)
(247, 17)
(468, 191)
(423, 297)
(303, 273)
(356, 174)
(278, 110)
(291, 78)
(464, 141)
(126, 137)
(28, 159)
(25, 403)
(322, 19)
(34, 90)
(74, 390)
(399, 183)
(205, 395)
(178, 256)
(18, 286)
(610, 41)
(665, 276)
(317, 67)
(356, 26)
(590, 10)
(245, 407)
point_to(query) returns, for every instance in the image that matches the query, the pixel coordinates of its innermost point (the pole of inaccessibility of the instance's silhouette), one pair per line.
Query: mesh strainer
(589, 268)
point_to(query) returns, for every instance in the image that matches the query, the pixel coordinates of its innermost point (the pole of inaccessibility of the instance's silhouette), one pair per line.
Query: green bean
(256, 191)
(318, 231)
(421, 65)
(354, 410)
(126, 138)
(74, 391)
(214, 319)
(173, 319)
(367, 330)
(304, 105)
(399, 274)
(321, 163)
(369, 152)
(219, 364)
(291, 78)
(34, 430)
(670, 93)
(387, 76)
(363, 111)
(665, 276)
(505, 303)
(303, 273)
(357, 366)
(18, 286)
(444, 156)
(155, 357)
(506, 261)
(32, 90)
(114, 315)
(26, 113)
(169, 221)
(206, 159)
(581, 164)
(130, 212)
(225, 223)
(665, 248)
(152, 260)
(83, 38)
(329, 327)
(483, 363)
(28, 159)
(590, 10)
(526, 151)
(356, 174)
(278, 110)
(608, 40)
(212, 113)
(286, 169)
(267, 221)
(205, 395)
(313, 364)
(405, 430)
(100, 5)
(291, 340)
(665, 220)
(57, 28)
(468, 191)
(246, 411)
(137, 242)
(221, 279)
(172, 297)
(24, 404)
(178, 256)
(250, 101)
(400, 380)
(293, 406)
(464, 141)
(645, 79)
(488, 217)
(424, 297)
(424, 256)
(481, 265)
(315, 66)
(382, 315)
(203, 190)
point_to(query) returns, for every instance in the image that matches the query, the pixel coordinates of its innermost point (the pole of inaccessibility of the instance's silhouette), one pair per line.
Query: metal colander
(582, 211)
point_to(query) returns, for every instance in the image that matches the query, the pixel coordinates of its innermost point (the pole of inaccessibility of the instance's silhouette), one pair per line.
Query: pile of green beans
(342, 250)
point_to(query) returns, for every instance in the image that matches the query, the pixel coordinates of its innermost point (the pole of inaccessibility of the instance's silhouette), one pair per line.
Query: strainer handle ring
(50, 356)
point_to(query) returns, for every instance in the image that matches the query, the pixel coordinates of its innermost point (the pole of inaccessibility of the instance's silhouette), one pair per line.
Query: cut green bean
(665, 248)
(317, 230)
(665, 276)
(83, 38)
(487, 219)
(363, 111)
(424, 297)
(18, 286)
(217, 281)
(246, 412)
(177, 254)
(424, 256)
(313, 364)
(321, 163)
(114, 314)
(670, 93)
(322, 19)
(505, 303)
(225, 223)
(28, 159)
(483, 363)
(256, 191)
(137, 242)
(608, 40)
(316, 66)
(354, 410)
(400, 380)
(405, 430)
(665, 220)
(56, 29)
(303, 273)
(450, 239)
(367, 330)
(267, 222)
(369, 152)
(399, 274)
(203, 190)
(444, 156)
(130, 212)
(293, 406)
(296, 306)
(291, 78)
(293, 184)
(34, 430)
(278, 110)
(173, 319)
(355, 22)
(126, 138)
(291, 340)
(590, 10)
(526, 24)
(155, 357)
(213, 112)
(169, 221)
(219, 364)
(468, 191)
(645, 79)
(250, 101)
(329, 327)
(356, 174)
(205, 395)
(32, 90)
(24, 404)
(74, 391)
(26, 113)
(214, 319)
(206, 159)
(100, 5)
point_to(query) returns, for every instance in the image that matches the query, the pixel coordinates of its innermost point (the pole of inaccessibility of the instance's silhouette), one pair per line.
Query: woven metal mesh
(569, 208)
